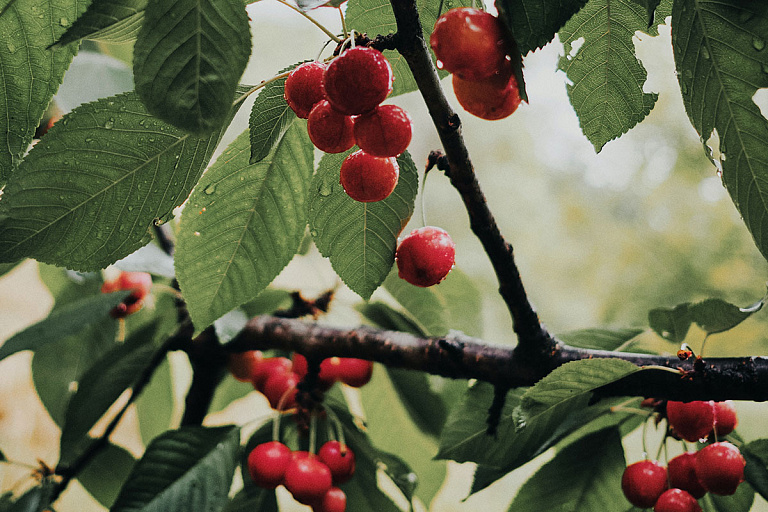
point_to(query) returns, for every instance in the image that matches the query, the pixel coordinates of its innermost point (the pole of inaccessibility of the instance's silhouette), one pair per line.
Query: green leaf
(182, 470)
(155, 406)
(606, 79)
(89, 194)
(650, 6)
(37, 499)
(534, 23)
(242, 225)
(100, 386)
(188, 59)
(600, 339)
(252, 499)
(741, 501)
(29, 72)
(7, 267)
(671, 323)
(106, 472)
(270, 118)
(63, 322)
(115, 21)
(756, 470)
(359, 238)
(385, 316)
(721, 62)
(586, 476)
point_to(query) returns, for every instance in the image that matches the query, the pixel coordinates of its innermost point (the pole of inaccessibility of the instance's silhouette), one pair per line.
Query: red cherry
(676, 500)
(469, 43)
(340, 459)
(725, 418)
(691, 420)
(425, 256)
(304, 87)
(358, 80)
(720, 468)
(267, 464)
(243, 365)
(281, 387)
(268, 367)
(334, 501)
(140, 284)
(355, 372)
(492, 98)
(643, 482)
(682, 474)
(384, 131)
(308, 479)
(330, 130)
(368, 178)
(326, 377)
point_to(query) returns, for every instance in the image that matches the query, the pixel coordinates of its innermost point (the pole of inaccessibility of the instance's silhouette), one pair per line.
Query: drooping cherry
(691, 420)
(384, 131)
(334, 501)
(304, 87)
(492, 98)
(280, 390)
(329, 130)
(268, 367)
(267, 463)
(327, 375)
(243, 365)
(682, 474)
(358, 80)
(425, 256)
(725, 418)
(340, 459)
(643, 482)
(354, 372)
(307, 479)
(720, 468)
(367, 178)
(676, 500)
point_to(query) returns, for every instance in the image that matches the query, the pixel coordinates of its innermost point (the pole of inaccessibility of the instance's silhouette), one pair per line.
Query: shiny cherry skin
(725, 418)
(384, 131)
(492, 98)
(643, 482)
(329, 130)
(340, 459)
(243, 365)
(280, 390)
(367, 178)
(304, 87)
(139, 283)
(267, 463)
(307, 479)
(268, 367)
(676, 500)
(691, 420)
(425, 256)
(354, 372)
(358, 80)
(720, 468)
(334, 501)
(682, 474)
(468, 43)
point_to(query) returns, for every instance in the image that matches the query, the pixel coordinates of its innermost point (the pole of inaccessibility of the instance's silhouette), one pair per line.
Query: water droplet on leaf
(210, 189)
(758, 44)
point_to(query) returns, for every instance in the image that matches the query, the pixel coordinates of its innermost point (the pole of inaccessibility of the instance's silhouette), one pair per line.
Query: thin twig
(313, 20)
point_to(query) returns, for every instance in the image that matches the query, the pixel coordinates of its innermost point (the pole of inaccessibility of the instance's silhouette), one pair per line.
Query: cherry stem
(313, 20)
(663, 445)
(120, 336)
(312, 432)
(343, 22)
(703, 344)
(645, 430)
(262, 84)
(337, 424)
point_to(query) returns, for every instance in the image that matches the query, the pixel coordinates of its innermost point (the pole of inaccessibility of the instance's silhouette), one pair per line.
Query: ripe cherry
(425, 256)
(268, 367)
(720, 468)
(384, 131)
(354, 372)
(330, 130)
(334, 501)
(469, 43)
(140, 283)
(327, 370)
(367, 178)
(492, 98)
(280, 390)
(691, 420)
(304, 87)
(243, 365)
(358, 80)
(307, 478)
(267, 464)
(340, 459)
(682, 474)
(676, 500)
(725, 418)
(643, 482)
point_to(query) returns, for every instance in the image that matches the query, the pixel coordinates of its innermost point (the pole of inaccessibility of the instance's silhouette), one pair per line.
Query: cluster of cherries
(341, 102)
(138, 283)
(277, 377)
(472, 45)
(311, 479)
(717, 468)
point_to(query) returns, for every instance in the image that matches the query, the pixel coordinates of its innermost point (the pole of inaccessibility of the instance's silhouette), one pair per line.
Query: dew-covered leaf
(534, 23)
(270, 118)
(116, 21)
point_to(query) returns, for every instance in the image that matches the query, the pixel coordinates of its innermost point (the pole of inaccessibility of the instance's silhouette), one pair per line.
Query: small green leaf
(66, 321)
(359, 238)
(534, 23)
(182, 470)
(188, 59)
(671, 323)
(270, 118)
(155, 406)
(586, 475)
(242, 225)
(89, 194)
(116, 21)
(385, 316)
(741, 501)
(606, 79)
(106, 472)
(600, 339)
(756, 470)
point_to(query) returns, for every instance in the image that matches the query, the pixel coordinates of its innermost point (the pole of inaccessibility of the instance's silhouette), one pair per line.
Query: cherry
(334, 501)
(139, 283)
(691, 420)
(682, 474)
(329, 130)
(340, 459)
(469, 43)
(367, 178)
(492, 98)
(354, 372)
(643, 482)
(304, 87)
(725, 418)
(279, 387)
(267, 464)
(384, 131)
(358, 80)
(327, 370)
(243, 365)
(676, 500)
(720, 468)
(425, 256)
(307, 478)
(268, 367)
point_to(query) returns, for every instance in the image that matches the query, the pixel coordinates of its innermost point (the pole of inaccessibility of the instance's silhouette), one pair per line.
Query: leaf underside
(116, 21)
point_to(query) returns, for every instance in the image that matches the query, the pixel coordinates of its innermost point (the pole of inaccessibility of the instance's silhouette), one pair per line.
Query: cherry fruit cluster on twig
(138, 283)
